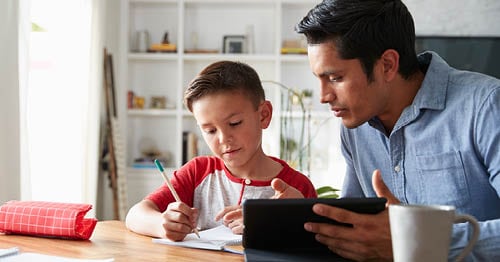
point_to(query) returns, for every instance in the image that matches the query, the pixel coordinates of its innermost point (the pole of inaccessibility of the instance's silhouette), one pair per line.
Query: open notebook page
(216, 238)
(14, 255)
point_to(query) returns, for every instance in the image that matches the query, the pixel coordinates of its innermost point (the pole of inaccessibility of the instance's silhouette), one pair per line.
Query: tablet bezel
(279, 223)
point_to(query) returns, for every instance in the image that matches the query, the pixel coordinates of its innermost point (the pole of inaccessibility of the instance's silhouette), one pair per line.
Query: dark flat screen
(275, 224)
(479, 54)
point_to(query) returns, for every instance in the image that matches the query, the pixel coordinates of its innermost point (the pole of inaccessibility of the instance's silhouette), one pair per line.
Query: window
(56, 100)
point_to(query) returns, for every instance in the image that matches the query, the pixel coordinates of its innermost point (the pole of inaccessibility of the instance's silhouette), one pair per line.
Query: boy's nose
(224, 137)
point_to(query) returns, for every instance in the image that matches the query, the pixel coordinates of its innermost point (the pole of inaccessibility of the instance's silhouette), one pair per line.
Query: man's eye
(335, 78)
(235, 123)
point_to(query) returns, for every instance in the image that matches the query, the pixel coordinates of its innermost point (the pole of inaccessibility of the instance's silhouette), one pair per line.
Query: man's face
(345, 86)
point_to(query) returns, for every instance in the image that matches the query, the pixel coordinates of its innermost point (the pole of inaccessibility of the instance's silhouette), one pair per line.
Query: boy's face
(231, 126)
(345, 86)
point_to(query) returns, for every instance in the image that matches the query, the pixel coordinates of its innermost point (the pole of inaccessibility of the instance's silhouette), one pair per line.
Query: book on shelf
(143, 165)
(147, 162)
(189, 146)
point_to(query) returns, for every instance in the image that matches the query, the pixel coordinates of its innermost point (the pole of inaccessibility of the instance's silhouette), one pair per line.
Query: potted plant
(306, 97)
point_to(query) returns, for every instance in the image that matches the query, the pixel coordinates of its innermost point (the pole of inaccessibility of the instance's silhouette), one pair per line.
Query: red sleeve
(298, 180)
(184, 180)
(302, 183)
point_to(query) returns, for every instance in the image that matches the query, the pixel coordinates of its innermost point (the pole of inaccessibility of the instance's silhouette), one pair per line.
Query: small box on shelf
(296, 46)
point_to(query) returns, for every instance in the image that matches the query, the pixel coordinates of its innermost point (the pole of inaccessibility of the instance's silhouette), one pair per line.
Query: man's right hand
(283, 190)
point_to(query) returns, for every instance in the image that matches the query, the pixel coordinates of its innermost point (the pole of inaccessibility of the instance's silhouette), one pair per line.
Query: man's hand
(370, 236)
(179, 220)
(381, 189)
(283, 190)
(232, 217)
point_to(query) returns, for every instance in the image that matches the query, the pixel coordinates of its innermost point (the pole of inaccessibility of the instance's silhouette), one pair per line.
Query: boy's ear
(266, 113)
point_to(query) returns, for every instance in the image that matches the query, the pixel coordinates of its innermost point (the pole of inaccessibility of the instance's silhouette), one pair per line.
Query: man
(429, 131)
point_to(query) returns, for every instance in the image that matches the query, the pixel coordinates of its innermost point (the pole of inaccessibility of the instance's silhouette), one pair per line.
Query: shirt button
(248, 181)
(397, 168)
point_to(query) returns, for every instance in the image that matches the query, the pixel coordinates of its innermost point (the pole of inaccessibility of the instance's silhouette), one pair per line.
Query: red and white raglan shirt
(206, 184)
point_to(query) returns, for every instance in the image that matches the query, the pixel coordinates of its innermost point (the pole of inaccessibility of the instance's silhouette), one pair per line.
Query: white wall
(104, 208)
(455, 17)
(10, 172)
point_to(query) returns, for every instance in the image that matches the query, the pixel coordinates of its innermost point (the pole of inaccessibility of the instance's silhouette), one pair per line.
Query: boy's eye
(235, 123)
(209, 131)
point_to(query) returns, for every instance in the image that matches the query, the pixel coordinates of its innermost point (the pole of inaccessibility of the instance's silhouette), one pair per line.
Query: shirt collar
(432, 92)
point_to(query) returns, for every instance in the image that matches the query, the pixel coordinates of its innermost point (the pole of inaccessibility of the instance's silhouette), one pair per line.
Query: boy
(228, 103)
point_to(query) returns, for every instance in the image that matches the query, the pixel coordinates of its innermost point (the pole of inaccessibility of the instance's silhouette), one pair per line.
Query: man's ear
(390, 63)
(266, 113)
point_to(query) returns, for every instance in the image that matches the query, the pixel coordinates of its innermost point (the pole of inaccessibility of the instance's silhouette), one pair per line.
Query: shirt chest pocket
(442, 179)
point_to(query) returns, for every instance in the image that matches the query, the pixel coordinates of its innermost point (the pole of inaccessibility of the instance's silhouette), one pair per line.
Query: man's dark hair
(364, 29)
(225, 76)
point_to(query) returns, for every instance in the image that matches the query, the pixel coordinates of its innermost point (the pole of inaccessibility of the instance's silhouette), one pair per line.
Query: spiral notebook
(217, 238)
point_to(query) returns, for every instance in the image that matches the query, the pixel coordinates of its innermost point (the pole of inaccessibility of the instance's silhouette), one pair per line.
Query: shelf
(144, 173)
(152, 112)
(224, 2)
(153, 1)
(202, 25)
(312, 114)
(294, 58)
(152, 56)
(214, 57)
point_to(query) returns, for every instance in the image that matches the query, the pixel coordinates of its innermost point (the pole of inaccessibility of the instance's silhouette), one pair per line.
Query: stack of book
(189, 146)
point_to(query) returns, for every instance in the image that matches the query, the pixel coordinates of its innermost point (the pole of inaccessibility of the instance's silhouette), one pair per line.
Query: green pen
(172, 189)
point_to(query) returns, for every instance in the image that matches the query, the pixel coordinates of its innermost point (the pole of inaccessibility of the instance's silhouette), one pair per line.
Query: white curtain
(94, 103)
(51, 101)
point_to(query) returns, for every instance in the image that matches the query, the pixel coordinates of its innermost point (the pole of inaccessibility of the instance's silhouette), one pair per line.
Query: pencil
(172, 189)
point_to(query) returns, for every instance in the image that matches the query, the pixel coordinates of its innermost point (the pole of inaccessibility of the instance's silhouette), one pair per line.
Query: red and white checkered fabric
(48, 219)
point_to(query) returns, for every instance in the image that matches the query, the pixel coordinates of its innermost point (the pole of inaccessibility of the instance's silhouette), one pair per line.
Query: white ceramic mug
(423, 233)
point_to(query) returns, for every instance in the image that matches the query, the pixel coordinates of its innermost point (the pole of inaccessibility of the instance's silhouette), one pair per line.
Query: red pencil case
(46, 219)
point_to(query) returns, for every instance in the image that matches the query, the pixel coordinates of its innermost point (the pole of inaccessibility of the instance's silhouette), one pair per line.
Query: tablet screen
(279, 223)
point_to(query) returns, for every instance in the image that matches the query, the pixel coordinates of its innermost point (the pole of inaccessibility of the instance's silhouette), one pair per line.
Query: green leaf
(325, 189)
(328, 195)
(327, 192)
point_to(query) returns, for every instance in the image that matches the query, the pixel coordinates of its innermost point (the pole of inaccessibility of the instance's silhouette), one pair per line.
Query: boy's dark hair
(364, 29)
(225, 76)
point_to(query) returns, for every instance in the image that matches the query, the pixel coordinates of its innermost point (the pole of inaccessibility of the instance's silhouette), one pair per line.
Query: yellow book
(163, 47)
(293, 50)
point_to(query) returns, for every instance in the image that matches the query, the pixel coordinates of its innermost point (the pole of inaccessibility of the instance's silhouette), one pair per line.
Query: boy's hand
(179, 220)
(232, 217)
(283, 190)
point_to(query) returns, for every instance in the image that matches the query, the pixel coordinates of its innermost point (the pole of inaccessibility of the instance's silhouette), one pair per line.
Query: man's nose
(326, 93)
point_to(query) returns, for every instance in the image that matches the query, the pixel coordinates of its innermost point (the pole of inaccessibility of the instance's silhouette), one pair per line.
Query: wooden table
(112, 240)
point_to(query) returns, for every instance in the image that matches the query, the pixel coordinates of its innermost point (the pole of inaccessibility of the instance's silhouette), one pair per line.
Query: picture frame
(234, 44)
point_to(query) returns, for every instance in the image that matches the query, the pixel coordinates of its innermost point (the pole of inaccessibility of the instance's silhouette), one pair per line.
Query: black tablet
(279, 223)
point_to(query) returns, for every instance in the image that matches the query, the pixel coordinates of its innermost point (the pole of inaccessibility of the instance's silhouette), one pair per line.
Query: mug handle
(472, 241)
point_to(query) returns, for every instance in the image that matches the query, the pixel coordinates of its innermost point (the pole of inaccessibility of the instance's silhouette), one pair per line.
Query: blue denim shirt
(444, 149)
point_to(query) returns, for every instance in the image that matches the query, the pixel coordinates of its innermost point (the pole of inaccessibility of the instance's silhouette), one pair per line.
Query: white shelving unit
(202, 24)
